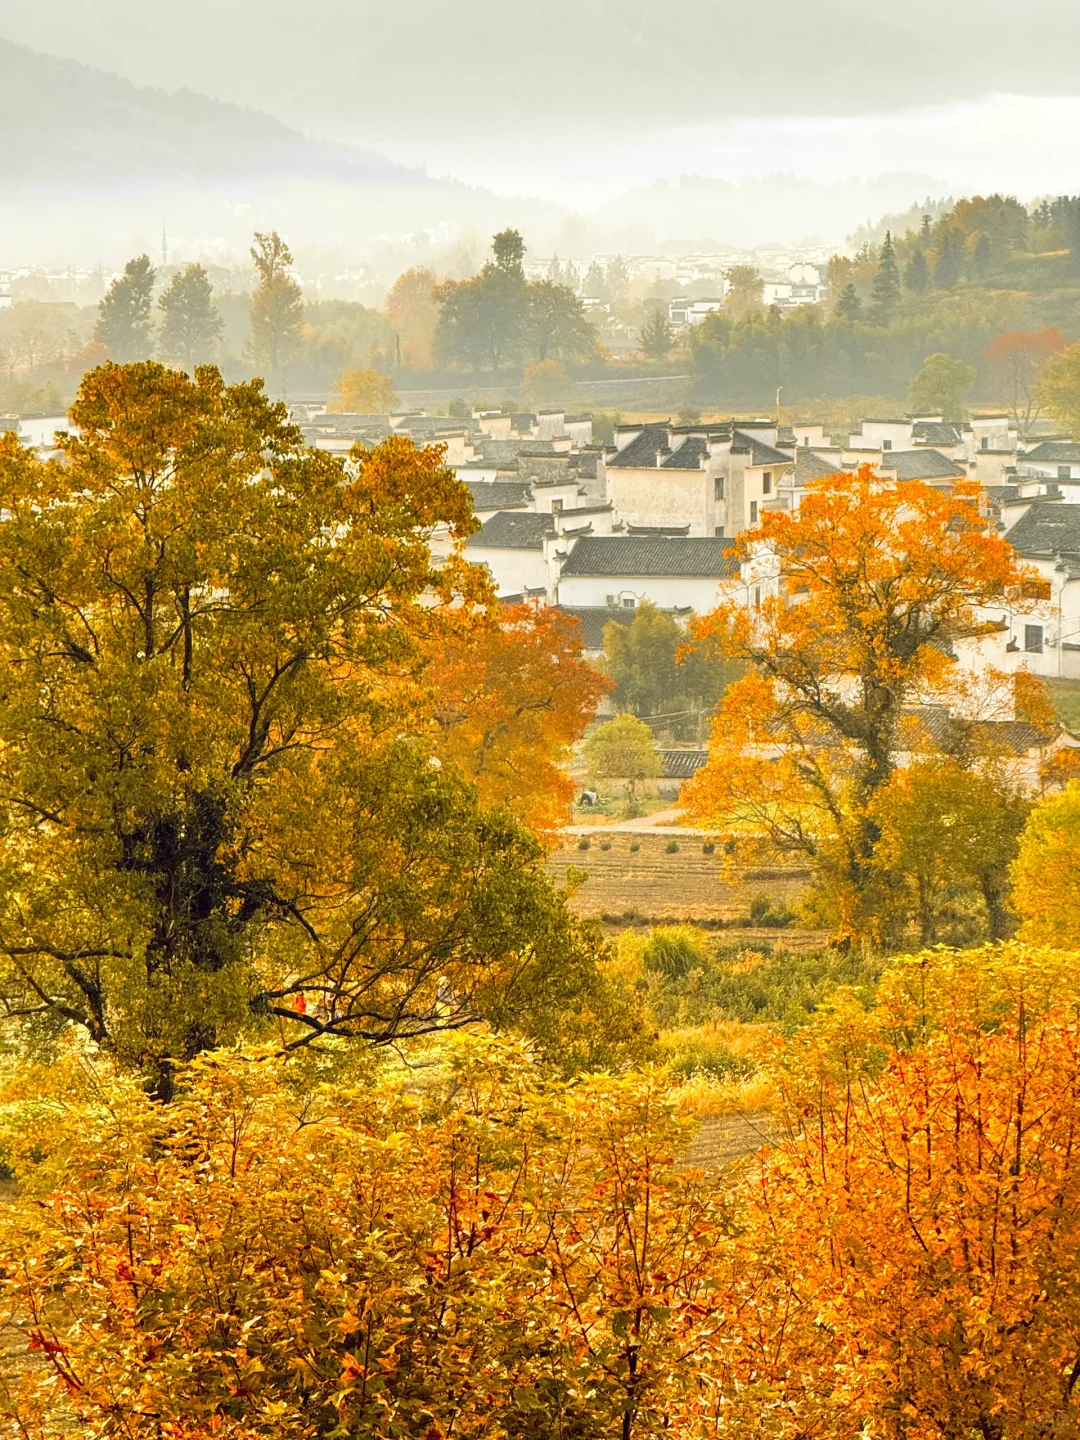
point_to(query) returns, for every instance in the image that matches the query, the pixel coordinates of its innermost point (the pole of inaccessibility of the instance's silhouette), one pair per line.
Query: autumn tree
(363, 392)
(878, 580)
(509, 701)
(277, 309)
(556, 326)
(623, 749)
(1018, 357)
(919, 1223)
(411, 309)
(939, 386)
(484, 1248)
(190, 325)
(220, 812)
(949, 828)
(125, 325)
(1058, 387)
(1046, 875)
(656, 336)
(745, 291)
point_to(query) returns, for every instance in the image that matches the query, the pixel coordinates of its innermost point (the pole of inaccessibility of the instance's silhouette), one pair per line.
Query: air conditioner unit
(612, 599)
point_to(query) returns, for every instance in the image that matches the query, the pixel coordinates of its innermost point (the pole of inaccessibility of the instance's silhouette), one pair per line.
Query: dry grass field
(640, 877)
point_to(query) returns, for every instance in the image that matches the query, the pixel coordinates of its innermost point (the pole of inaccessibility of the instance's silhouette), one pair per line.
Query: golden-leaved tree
(878, 582)
(220, 811)
(919, 1235)
(509, 700)
(477, 1252)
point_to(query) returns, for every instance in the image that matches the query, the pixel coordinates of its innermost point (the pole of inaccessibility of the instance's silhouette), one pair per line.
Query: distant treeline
(985, 268)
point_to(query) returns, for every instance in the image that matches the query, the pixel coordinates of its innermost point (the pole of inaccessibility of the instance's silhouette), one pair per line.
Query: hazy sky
(577, 100)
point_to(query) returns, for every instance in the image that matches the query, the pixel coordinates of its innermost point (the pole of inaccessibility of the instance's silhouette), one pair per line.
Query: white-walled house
(672, 572)
(712, 480)
(1044, 633)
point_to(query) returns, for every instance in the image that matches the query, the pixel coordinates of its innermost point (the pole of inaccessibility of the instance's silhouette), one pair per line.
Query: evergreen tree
(917, 274)
(571, 276)
(596, 287)
(849, 306)
(657, 336)
(277, 311)
(509, 250)
(924, 232)
(950, 265)
(124, 325)
(555, 272)
(191, 326)
(886, 291)
(982, 257)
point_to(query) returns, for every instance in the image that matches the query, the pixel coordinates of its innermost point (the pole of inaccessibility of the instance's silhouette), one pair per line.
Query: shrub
(584, 843)
(635, 846)
(709, 847)
(671, 848)
(605, 844)
(769, 916)
(672, 951)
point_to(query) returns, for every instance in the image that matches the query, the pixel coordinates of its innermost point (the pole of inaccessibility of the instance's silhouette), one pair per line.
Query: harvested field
(654, 883)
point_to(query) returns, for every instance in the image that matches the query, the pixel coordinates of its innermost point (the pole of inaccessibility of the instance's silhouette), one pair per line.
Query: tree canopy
(885, 578)
(219, 809)
(125, 324)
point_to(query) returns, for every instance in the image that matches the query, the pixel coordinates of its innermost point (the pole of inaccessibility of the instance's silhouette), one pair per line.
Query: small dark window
(1033, 639)
(718, 488)
(556, 507)
(886, 444)
(628, 602)
(757, 597)
(986, 442)
(766, 483)
(1064, 472)
(753, 512)
(719, 532)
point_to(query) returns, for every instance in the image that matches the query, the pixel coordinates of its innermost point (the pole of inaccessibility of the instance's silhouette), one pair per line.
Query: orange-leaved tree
(922, 1221)
(509, 700)
(877, 581)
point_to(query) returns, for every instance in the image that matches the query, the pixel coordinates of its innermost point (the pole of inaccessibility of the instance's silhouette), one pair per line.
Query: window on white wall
(766, 483)
(753, 512)
(1033, 639)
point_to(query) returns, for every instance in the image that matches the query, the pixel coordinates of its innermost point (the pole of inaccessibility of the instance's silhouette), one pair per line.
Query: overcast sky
(578, 99)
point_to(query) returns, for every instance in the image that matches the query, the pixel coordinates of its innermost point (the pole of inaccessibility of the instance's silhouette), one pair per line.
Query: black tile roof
(641, 452)
(514, 530)
(594, 620)
(682, 764)
(1054, 452)
(950, 733)
(921, 465)
(689, 455)
(497, 494)
(760, 453)
(1047, 527)
(934, 432)
(810, 467)
(652, 555)
(658, 529)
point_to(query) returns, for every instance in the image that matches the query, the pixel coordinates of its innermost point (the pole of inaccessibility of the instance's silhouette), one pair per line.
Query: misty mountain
(357, 68)
(64, 123)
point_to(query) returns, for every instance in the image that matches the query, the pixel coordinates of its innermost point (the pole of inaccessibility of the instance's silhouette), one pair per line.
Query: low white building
(679, 573)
